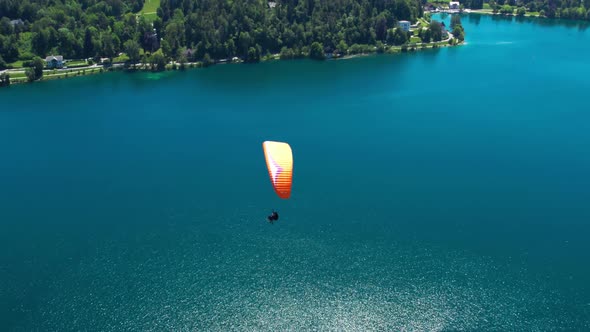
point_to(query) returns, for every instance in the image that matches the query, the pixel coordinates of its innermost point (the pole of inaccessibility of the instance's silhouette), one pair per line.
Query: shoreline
(18, 76)
(52, 74)
(491, 12)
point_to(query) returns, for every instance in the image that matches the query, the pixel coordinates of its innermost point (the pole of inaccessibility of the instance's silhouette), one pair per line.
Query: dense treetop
(568, 9)
(215, 29)
(219, 29)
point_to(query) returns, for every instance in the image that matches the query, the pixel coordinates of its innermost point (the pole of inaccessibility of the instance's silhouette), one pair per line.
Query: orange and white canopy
(279, 161)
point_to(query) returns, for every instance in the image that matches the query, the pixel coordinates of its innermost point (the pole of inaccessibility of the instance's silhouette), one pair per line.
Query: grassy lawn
(149, 9)
(150, 17)
(72, 73)
(122, 58)
(76, 63)
(16, 64)
(423, 23)
(415, 40)
(19, 74)
(150, 6)
(17, 77)
(485, 11)
(25, 45)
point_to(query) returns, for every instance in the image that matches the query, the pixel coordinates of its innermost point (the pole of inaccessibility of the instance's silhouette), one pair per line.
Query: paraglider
(274, 216)
(279, 162)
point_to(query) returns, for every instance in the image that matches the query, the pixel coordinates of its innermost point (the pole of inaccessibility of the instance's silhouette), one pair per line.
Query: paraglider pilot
(274, 216)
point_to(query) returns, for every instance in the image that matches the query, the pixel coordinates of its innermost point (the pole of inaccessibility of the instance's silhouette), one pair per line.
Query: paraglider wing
(279, 161)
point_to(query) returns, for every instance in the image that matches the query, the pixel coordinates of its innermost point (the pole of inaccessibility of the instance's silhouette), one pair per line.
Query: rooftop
(56, 57)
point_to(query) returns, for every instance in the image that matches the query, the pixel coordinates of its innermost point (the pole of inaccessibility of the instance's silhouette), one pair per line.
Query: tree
(457, 28)
(521, 11)
(145, 34)
(244, 42)
(5, 26)
(381, 27)
(458, 32)
(41, 42)
(158, 25)
(286, 53)
(2, 63)
(317, 51)
(30, 73)
(342, 47)
(476, 4)
(182, 60)
(174, 35)
(4, 79)
(506, 9)
(158, 60)
(132, 50)
(398, 37)
(166, 48)
(207, 60)
(425, 35)
(230, 48)
(253, 55)
(38, 64)
(435, 31)
(108, 45)
(136, 5)
(69, 45)
(88, 43)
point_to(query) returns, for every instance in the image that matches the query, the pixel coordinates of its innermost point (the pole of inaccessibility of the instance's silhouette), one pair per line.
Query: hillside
(211, 29)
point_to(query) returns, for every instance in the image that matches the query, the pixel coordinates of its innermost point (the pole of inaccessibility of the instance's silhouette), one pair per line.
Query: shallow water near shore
(438, 190)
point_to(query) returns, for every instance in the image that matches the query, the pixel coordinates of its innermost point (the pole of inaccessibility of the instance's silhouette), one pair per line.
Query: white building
(404, 25)
(454, 5)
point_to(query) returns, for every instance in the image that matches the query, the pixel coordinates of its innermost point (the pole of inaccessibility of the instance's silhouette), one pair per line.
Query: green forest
(206, 30)
(567, 9)
(200, 30)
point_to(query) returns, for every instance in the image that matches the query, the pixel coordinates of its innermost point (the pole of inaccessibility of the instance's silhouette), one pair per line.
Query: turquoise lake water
(440, 190)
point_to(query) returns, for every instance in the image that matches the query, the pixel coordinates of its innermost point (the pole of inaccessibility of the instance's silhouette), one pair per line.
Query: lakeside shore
(491, 12)
(17, 76)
